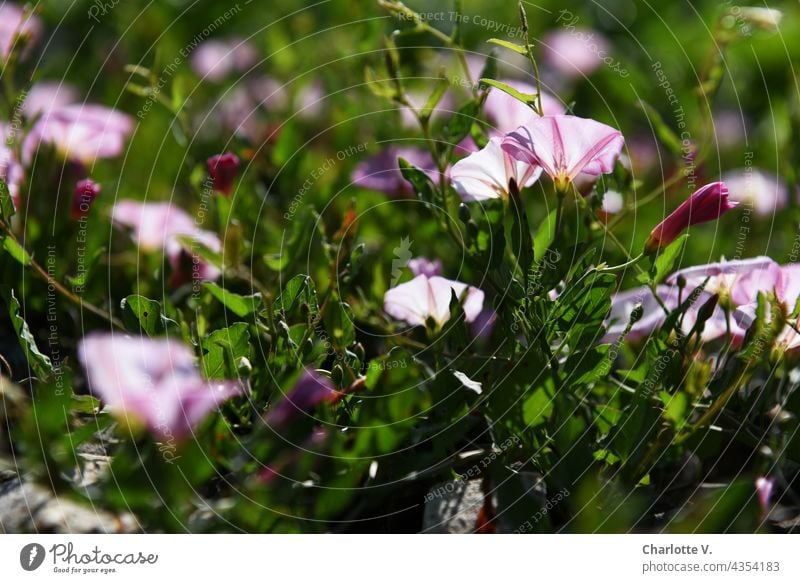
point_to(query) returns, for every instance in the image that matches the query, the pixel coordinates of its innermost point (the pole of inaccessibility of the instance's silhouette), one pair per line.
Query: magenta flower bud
(707, 204)
(86, 191)
(223, 169)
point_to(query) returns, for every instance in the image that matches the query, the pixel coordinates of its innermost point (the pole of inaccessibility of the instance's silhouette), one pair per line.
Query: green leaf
(536, 407)
(665, 261)
(299, 291)
(223, 349)
(6, 203)
(519, 49)
(16, 251)
(544, 236)
(433, 100)
(419, 180)
(526, 98)
(585, 367)
(140, 314)
(79, 281)
(238, 304)
(459, 125)
(663, 131)
(40, 363)
(339, 322)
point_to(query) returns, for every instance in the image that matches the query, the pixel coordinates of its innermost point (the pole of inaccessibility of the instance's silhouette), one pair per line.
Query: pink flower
(309, 102)
(425, 266)
(486, 174)
(653, 315)
(159, 225)
(508, 113)
(311, 390)
(765, 487)
(215, 60)
(86, 191)
(575, 52)
(17, 27)
(764, 193)
(425, 298)
(381, 171)
(566, 146)
(155, 382)
(46, 96)
(707, 204)
(80, 133)
(11, 171)
(736, 282)
(223, 169)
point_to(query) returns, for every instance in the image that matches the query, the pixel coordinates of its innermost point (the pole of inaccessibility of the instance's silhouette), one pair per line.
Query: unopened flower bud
(85, 192)
(223, 169)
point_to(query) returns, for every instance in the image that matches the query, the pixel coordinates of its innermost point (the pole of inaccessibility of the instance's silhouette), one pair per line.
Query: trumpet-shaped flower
(154, 382)
(425, 298)
(735, 282)
(45, 96)
(80, 133)
(707, 204)
(566, 146)
(160, 225)
(486, 174)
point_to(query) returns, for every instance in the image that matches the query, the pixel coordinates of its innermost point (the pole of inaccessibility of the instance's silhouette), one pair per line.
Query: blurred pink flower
(223, 169)
(155, 382)
(706, 204)
(45, 96)
(729, 128)
(653, 315)
(246, 108)
(158, 225)
(508, 113)
(763, 192)
(381, 171)
(736, 282)
(487, 174)
(309, 102)
(575, 52)
(425, 298)
(612, 202)
(425, 266)
(11, 171)
(86, 191)
(80, 133)
(566, 146)
(215, 59)
(17, 27)
(311, 390)
(765, 487)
